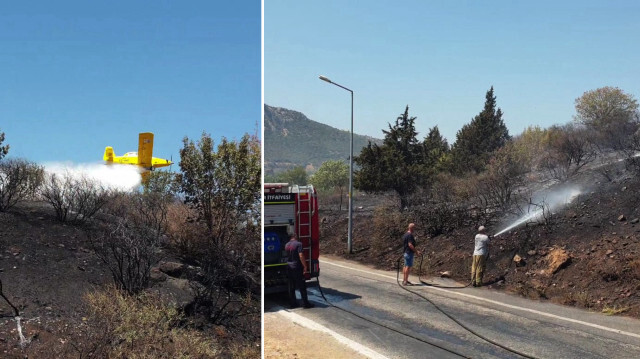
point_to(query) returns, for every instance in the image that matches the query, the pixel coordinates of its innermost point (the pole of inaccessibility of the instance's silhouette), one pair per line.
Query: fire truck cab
(289, 209)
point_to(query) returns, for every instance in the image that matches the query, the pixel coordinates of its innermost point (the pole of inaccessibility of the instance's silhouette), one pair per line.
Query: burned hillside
(96, 272)
(585, 254)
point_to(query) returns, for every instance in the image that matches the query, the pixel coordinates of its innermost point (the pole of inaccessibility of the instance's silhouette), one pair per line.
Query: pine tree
(477, 140)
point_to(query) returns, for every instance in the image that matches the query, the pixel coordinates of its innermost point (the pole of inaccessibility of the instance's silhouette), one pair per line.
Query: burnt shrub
(75, 199)
(19, 180)
(129, 251)
(444, 207)
(185, 233)
(130, 242)
(226, 285)
(223, 292)
(570, 148)
(389, 225)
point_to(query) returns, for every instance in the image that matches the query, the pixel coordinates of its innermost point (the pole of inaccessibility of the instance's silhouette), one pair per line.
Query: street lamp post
(349, 238)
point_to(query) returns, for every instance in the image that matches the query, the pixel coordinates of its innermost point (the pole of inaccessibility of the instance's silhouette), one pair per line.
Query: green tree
(534, 143)
(395, 165)
(476, 141)
(296, 175)
(611, 113)
(332, 175)
(3, 149)
(434, 149)
(601, 107)
(223, 185)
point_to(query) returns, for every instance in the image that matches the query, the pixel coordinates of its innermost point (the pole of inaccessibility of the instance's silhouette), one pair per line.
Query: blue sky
(76, 76)
(441, 57)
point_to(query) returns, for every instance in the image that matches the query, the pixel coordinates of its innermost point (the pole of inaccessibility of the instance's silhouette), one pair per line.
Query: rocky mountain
(291, 139)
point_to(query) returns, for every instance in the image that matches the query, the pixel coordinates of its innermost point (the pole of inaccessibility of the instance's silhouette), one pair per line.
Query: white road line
(597, 326)
(308, 323)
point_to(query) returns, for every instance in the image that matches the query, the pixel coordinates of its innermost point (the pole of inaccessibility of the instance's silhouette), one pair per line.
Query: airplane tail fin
(108, 154)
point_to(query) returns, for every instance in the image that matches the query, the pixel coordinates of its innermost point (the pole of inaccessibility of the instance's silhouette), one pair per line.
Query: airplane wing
(145, 149)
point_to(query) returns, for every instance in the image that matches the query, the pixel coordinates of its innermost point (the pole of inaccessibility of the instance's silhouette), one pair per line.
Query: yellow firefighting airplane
(142, 158)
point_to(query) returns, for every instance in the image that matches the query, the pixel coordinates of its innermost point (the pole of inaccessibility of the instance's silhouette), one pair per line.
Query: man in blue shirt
(409, 242)
(296, 269)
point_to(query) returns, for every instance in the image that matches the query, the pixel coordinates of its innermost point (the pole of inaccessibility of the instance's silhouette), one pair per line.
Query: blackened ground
(47, 267)
(589, 256)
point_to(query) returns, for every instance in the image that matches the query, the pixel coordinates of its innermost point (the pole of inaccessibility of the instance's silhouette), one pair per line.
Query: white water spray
(118, 177)
(550, 201)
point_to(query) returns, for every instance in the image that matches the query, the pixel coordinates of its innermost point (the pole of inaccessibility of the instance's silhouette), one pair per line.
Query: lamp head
(324, 78)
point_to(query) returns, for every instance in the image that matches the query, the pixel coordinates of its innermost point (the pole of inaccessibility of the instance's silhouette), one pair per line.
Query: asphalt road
(394, 323)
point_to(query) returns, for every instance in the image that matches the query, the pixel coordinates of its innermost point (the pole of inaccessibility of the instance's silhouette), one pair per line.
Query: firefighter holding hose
(480, 254)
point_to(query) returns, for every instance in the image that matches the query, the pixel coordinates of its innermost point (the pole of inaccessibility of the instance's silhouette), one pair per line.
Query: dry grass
(143, 327)
(581, 299)
(245, 351)
(614, 310)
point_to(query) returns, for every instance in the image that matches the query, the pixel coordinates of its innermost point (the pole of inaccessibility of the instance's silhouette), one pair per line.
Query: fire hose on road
(386, 326)
(454, 319)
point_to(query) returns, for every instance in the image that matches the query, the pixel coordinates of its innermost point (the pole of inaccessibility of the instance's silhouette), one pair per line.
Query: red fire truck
(289, 209)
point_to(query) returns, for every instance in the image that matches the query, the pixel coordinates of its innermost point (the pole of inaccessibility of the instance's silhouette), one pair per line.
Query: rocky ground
(588, 256)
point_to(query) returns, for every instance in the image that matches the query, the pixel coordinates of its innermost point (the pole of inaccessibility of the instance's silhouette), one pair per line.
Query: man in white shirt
(480, 254)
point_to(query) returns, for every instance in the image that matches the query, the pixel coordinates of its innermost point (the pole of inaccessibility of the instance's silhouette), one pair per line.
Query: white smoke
(113, 176)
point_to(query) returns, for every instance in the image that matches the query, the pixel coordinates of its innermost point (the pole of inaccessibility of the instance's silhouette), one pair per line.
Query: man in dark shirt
(296, 263)
(409, 251)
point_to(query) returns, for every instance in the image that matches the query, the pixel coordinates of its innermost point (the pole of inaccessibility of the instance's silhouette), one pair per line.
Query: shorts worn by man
(480, 254)
(296, 268)
(409, 243)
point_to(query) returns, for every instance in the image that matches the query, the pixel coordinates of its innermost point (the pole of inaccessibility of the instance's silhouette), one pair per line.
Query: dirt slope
(45, 267)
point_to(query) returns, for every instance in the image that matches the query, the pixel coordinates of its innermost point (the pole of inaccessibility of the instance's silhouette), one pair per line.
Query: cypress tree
(477, 140)
(434, 147)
